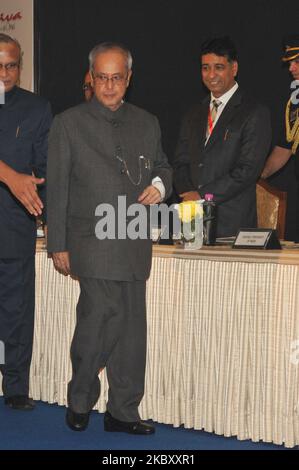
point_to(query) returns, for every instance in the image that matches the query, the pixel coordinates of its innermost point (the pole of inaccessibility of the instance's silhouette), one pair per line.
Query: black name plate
(257, 239)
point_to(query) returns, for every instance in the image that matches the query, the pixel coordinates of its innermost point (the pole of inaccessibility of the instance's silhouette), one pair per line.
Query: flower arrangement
(188, 210)
(191, 216)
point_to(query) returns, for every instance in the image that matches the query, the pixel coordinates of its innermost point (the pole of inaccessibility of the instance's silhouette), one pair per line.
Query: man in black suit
(223, 142)
(24, 123)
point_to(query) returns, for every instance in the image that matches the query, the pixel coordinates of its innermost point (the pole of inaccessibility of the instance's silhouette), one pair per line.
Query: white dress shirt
(224, 100)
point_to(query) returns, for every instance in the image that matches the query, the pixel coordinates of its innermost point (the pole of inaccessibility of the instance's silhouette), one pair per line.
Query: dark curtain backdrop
(164, 37)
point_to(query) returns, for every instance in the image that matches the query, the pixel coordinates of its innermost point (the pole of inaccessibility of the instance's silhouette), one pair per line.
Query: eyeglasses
(116, 79)
(11, 67)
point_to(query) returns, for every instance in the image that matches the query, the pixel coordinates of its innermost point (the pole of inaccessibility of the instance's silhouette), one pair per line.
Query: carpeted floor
(44, 428)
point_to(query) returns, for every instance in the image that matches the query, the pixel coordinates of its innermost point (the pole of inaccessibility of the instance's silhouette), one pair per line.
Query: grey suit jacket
(89, 146)
(231, 162)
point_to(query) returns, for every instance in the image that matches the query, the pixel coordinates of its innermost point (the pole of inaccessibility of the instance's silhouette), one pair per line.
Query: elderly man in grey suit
(100, 151)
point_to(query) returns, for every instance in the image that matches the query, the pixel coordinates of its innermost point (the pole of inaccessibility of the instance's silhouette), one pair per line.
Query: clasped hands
(150, 195)
(61, 260)
(190, 196)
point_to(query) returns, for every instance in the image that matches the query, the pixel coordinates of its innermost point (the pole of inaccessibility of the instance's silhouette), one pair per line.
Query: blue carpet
(44, 428)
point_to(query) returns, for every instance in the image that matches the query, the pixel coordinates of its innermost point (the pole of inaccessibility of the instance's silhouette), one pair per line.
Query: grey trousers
(110, 332)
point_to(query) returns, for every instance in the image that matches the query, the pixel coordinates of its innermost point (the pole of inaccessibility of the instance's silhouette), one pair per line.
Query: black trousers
(110, 332)
(17, 294)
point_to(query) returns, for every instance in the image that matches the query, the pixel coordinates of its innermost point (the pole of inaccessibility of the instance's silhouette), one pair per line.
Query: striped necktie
(212, 116)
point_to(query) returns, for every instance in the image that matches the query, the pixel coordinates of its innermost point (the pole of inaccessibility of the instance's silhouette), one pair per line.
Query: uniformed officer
(288, 143)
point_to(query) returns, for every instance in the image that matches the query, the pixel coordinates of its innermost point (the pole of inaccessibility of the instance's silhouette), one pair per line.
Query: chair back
(271, 207)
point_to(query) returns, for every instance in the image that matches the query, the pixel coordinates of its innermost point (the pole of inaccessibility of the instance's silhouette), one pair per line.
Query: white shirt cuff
(157, 182)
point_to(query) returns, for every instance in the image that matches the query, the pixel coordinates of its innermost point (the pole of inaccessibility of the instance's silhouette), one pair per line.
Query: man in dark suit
(101, 152)
(24, 124)
(223, 142)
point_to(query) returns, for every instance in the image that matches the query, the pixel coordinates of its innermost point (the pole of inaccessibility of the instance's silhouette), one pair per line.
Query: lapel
(204, 122)
(226, 116)
(199, 127)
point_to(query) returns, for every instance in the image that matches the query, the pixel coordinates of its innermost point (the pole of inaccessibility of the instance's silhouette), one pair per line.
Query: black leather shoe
(136, 427)
(20, 402)
(77, 421)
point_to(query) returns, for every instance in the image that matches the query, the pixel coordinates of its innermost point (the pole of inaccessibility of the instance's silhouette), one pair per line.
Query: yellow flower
(188, 210)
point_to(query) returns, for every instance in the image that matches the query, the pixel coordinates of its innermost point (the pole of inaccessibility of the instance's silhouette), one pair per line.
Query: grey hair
(108, 46)
(9, 40)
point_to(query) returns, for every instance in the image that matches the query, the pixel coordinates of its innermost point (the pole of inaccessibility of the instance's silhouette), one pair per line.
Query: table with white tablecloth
(222, 331)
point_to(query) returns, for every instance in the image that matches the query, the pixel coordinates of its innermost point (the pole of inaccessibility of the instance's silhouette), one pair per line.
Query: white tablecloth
(221, 327)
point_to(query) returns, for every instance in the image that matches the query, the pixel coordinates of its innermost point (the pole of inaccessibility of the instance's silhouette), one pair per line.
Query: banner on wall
(16, 20)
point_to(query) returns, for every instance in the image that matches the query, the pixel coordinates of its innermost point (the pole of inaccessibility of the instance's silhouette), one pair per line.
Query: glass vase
(192, 230)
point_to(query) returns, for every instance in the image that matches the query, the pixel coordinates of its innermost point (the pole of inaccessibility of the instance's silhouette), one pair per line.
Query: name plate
(257, 238)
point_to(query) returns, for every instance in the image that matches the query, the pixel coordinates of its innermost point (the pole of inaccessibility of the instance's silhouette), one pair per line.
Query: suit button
(118, 148)
(200, 165)
(114, 123)
(199, 186)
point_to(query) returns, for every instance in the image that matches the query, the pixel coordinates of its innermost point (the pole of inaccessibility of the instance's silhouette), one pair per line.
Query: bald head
(10, 61)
